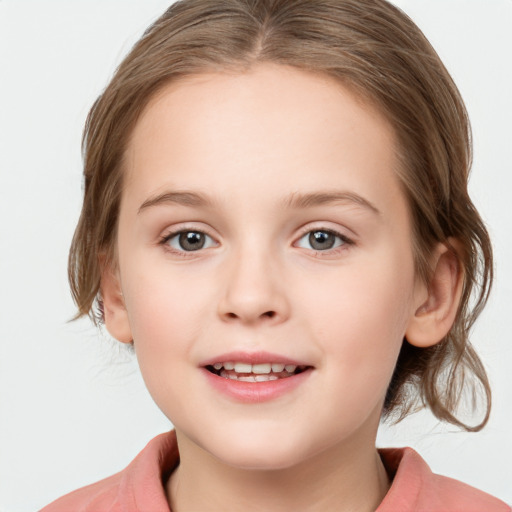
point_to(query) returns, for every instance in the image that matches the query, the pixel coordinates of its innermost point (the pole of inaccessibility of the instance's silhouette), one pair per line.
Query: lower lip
(254, 392)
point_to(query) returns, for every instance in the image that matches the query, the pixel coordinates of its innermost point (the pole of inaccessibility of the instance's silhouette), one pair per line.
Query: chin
(263, 452)
(257, 461)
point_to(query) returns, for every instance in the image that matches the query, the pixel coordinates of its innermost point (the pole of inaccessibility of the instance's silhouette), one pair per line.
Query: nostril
(269, 314)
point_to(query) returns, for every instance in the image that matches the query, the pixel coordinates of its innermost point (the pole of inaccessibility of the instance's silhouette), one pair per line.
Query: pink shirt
(140, 488)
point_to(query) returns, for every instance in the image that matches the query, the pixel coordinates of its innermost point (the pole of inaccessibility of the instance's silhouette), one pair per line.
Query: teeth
(242, 368)
(248, 378)
(264, 378)
(261, 368)
(257, 369)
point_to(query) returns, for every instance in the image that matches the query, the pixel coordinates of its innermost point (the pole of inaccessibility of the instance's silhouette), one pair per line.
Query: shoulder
(415, 487)
(139, 487)
(100, 496)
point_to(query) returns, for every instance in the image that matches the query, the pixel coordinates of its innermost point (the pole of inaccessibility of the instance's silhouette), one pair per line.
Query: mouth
(260, 372)
(255, 377)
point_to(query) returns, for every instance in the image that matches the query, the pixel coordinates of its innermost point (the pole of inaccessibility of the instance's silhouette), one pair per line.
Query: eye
(322, 240)
(188, 241)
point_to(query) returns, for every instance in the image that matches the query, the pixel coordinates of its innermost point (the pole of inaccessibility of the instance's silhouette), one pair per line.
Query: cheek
(373, 295)
(166, 314)
(161, 291)
(165, 329)
(362, 317)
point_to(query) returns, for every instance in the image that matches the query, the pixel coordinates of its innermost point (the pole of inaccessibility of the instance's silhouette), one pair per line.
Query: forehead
(274, 124)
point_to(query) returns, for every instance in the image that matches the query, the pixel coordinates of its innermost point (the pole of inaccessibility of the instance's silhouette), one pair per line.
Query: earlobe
(435, 315)
(114, 309)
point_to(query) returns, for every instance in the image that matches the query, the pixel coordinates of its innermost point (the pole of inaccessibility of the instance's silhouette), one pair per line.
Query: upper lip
(259, 357)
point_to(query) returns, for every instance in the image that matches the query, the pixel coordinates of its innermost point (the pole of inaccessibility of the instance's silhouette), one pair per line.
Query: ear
(438, 300)
(114, 310)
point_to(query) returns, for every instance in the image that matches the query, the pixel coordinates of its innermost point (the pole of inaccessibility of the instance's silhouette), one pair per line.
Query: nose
(254, 290)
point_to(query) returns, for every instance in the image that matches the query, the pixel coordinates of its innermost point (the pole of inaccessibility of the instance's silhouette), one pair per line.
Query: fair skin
(257, 280)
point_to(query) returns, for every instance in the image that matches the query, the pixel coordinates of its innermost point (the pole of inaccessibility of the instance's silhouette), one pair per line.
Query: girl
(276, 217)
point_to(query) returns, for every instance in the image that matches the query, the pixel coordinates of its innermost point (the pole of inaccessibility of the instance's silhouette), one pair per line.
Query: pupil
(321, 240)
(192, 240)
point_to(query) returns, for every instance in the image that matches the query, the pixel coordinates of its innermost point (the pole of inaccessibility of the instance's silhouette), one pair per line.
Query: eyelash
(346, 242)
(169, 236)
(164, 240)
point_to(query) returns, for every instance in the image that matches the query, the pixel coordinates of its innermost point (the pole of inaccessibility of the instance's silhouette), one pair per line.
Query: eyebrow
(311, 199)
(184, 198)
(295, 200)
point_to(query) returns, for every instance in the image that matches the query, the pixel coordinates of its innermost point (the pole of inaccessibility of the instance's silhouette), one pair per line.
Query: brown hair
(379, 53)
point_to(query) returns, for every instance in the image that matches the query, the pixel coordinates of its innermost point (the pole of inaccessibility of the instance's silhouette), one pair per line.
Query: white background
(73, 408)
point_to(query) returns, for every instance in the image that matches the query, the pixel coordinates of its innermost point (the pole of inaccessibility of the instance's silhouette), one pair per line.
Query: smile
(261, 372)
(255, 377)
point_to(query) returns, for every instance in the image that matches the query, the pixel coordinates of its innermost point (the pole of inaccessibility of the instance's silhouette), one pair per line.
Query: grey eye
(190, 241)
(321, 240)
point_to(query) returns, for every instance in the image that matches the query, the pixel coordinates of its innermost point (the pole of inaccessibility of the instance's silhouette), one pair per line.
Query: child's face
(282, 268)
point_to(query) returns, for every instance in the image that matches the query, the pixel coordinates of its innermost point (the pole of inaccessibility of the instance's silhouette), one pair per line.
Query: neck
(342, 479)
